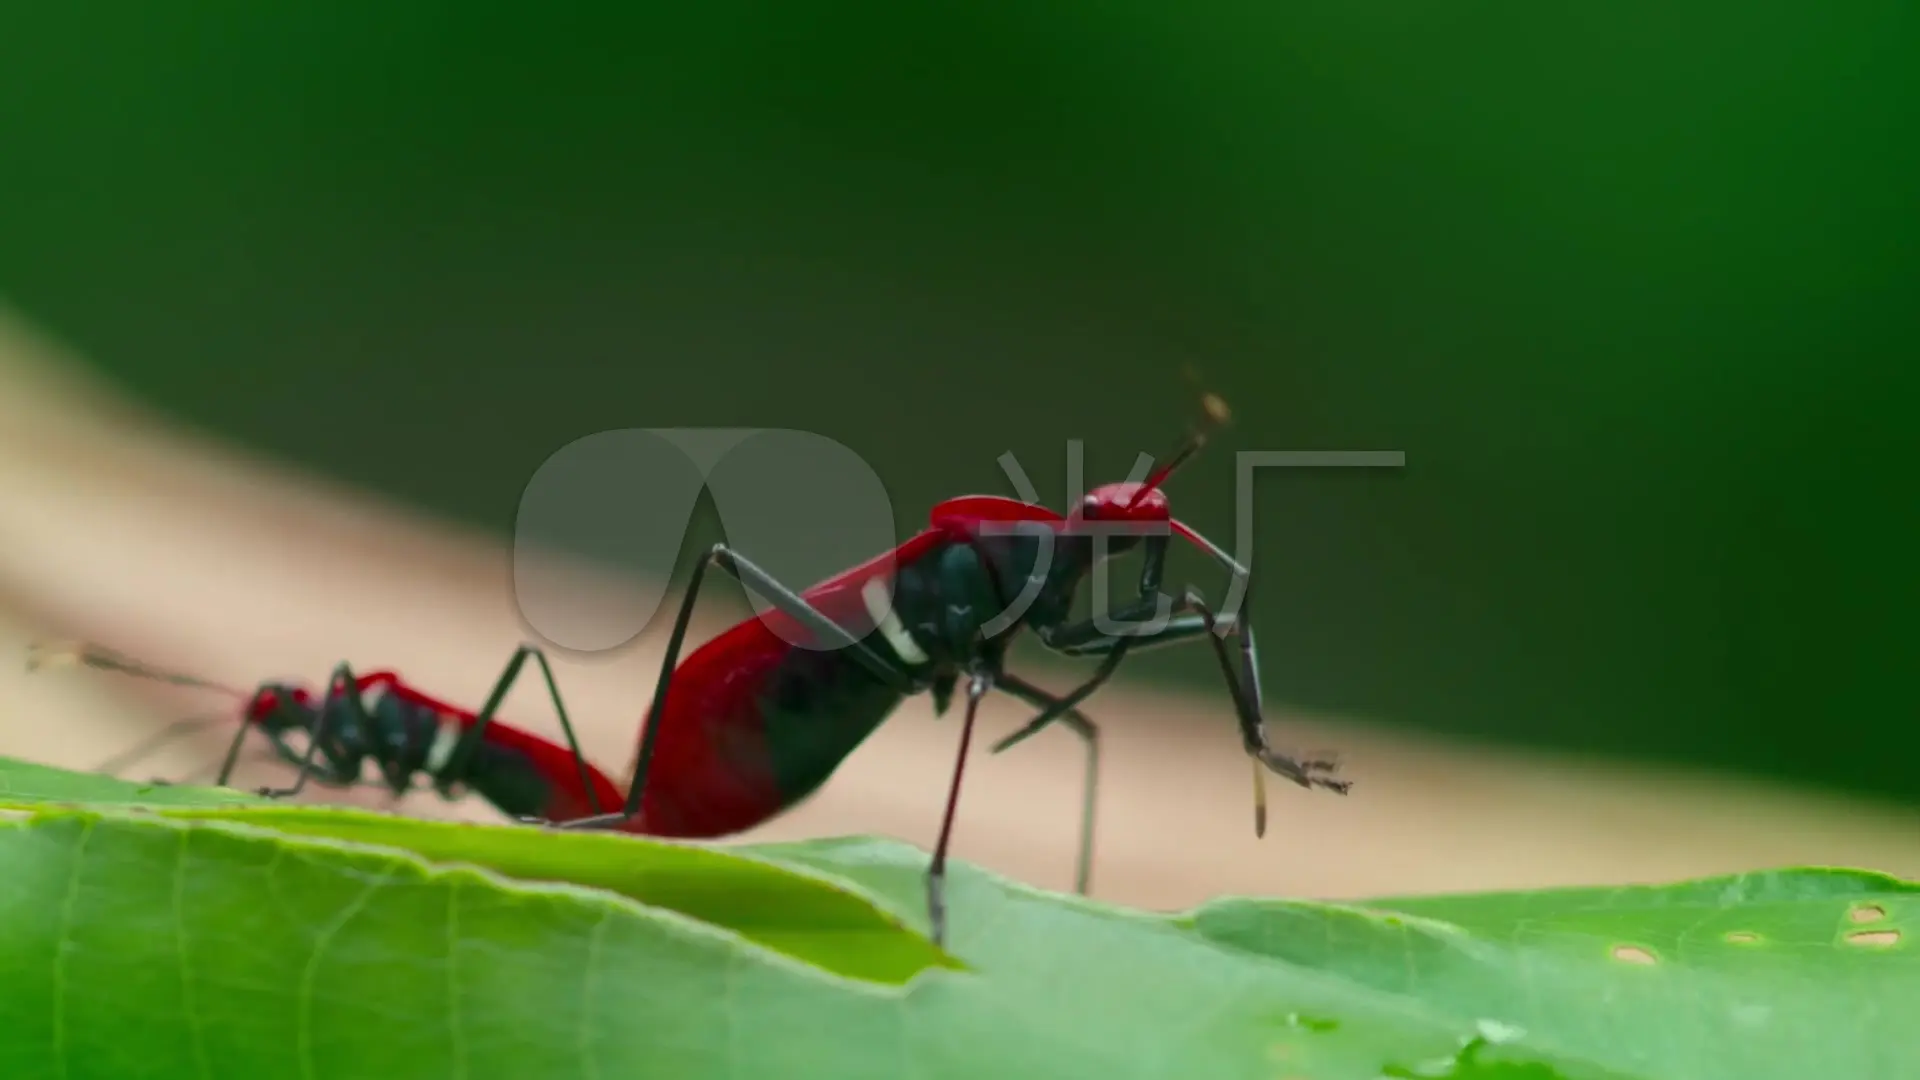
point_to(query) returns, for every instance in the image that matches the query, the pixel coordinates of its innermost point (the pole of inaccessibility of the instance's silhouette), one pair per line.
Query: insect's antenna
(51, 653)
(165, 735)
(1215, 415)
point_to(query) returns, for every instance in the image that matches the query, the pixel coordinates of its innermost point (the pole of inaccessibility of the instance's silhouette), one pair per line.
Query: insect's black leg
(1085, 690)
(1088, 639)
(796, 607)
(1248, 700)
(1243, 684)
(113, 765)
(1138, 610)
(331, 768)
(1064, 708)
(240, 736)
(303, 760)
(1147, 605)
(1086, 636)
(1112, 648)
(977, 686)
(1244, 688)
(1253, 733)
(470, 740)
(785, 600)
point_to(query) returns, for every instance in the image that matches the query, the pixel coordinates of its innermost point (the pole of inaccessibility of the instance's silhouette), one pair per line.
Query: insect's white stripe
(880, 606)
(444, 742)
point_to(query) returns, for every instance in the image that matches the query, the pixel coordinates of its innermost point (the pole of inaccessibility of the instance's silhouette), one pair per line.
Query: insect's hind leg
(471, 739)
(785, 600)
(1066, 710)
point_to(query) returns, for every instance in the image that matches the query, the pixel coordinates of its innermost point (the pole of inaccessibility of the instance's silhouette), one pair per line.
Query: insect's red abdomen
(566, 800)
(753, 724)
(712, 773)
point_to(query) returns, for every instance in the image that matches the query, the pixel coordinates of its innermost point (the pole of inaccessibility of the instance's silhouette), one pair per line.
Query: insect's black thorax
(418, 738)
(1008, 582)
(398, 735)
(401, 733)
(955, 609)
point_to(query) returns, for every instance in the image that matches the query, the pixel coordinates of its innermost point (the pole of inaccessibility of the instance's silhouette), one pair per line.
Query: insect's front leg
(1309, 772)
(1195, 620)
(1089, 638)
(335, 769)
(1244, 685)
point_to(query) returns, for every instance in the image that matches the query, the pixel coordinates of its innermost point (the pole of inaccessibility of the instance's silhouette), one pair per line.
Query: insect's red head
(1125, 502)
(274, 696)
(1143, 502)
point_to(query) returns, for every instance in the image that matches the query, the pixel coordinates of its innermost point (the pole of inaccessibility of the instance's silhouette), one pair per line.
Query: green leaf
(24, 783)
(218, 941)
(1785, 974)
(142, 944)
(804, 913)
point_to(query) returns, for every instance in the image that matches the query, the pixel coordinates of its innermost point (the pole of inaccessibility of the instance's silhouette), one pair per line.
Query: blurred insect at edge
(377, 717)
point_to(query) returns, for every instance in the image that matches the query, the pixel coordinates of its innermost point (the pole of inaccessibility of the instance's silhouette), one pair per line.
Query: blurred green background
(1633, 286)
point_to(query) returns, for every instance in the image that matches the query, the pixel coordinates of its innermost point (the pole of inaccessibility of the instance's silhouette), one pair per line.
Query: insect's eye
(1091, 504)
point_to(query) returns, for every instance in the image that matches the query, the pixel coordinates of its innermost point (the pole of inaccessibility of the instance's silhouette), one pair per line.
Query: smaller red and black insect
(405, 733)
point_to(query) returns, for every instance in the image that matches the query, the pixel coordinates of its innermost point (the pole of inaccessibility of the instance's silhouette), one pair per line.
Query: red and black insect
(406, 734)
(755, 724)
(751, 724)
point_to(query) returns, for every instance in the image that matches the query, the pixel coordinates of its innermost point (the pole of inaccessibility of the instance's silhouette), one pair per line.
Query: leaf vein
(67, 909)
(311, 971)
(196, 1031)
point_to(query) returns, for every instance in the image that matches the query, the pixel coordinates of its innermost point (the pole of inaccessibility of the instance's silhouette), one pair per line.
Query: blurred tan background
(1634, 296)
(188, 554)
